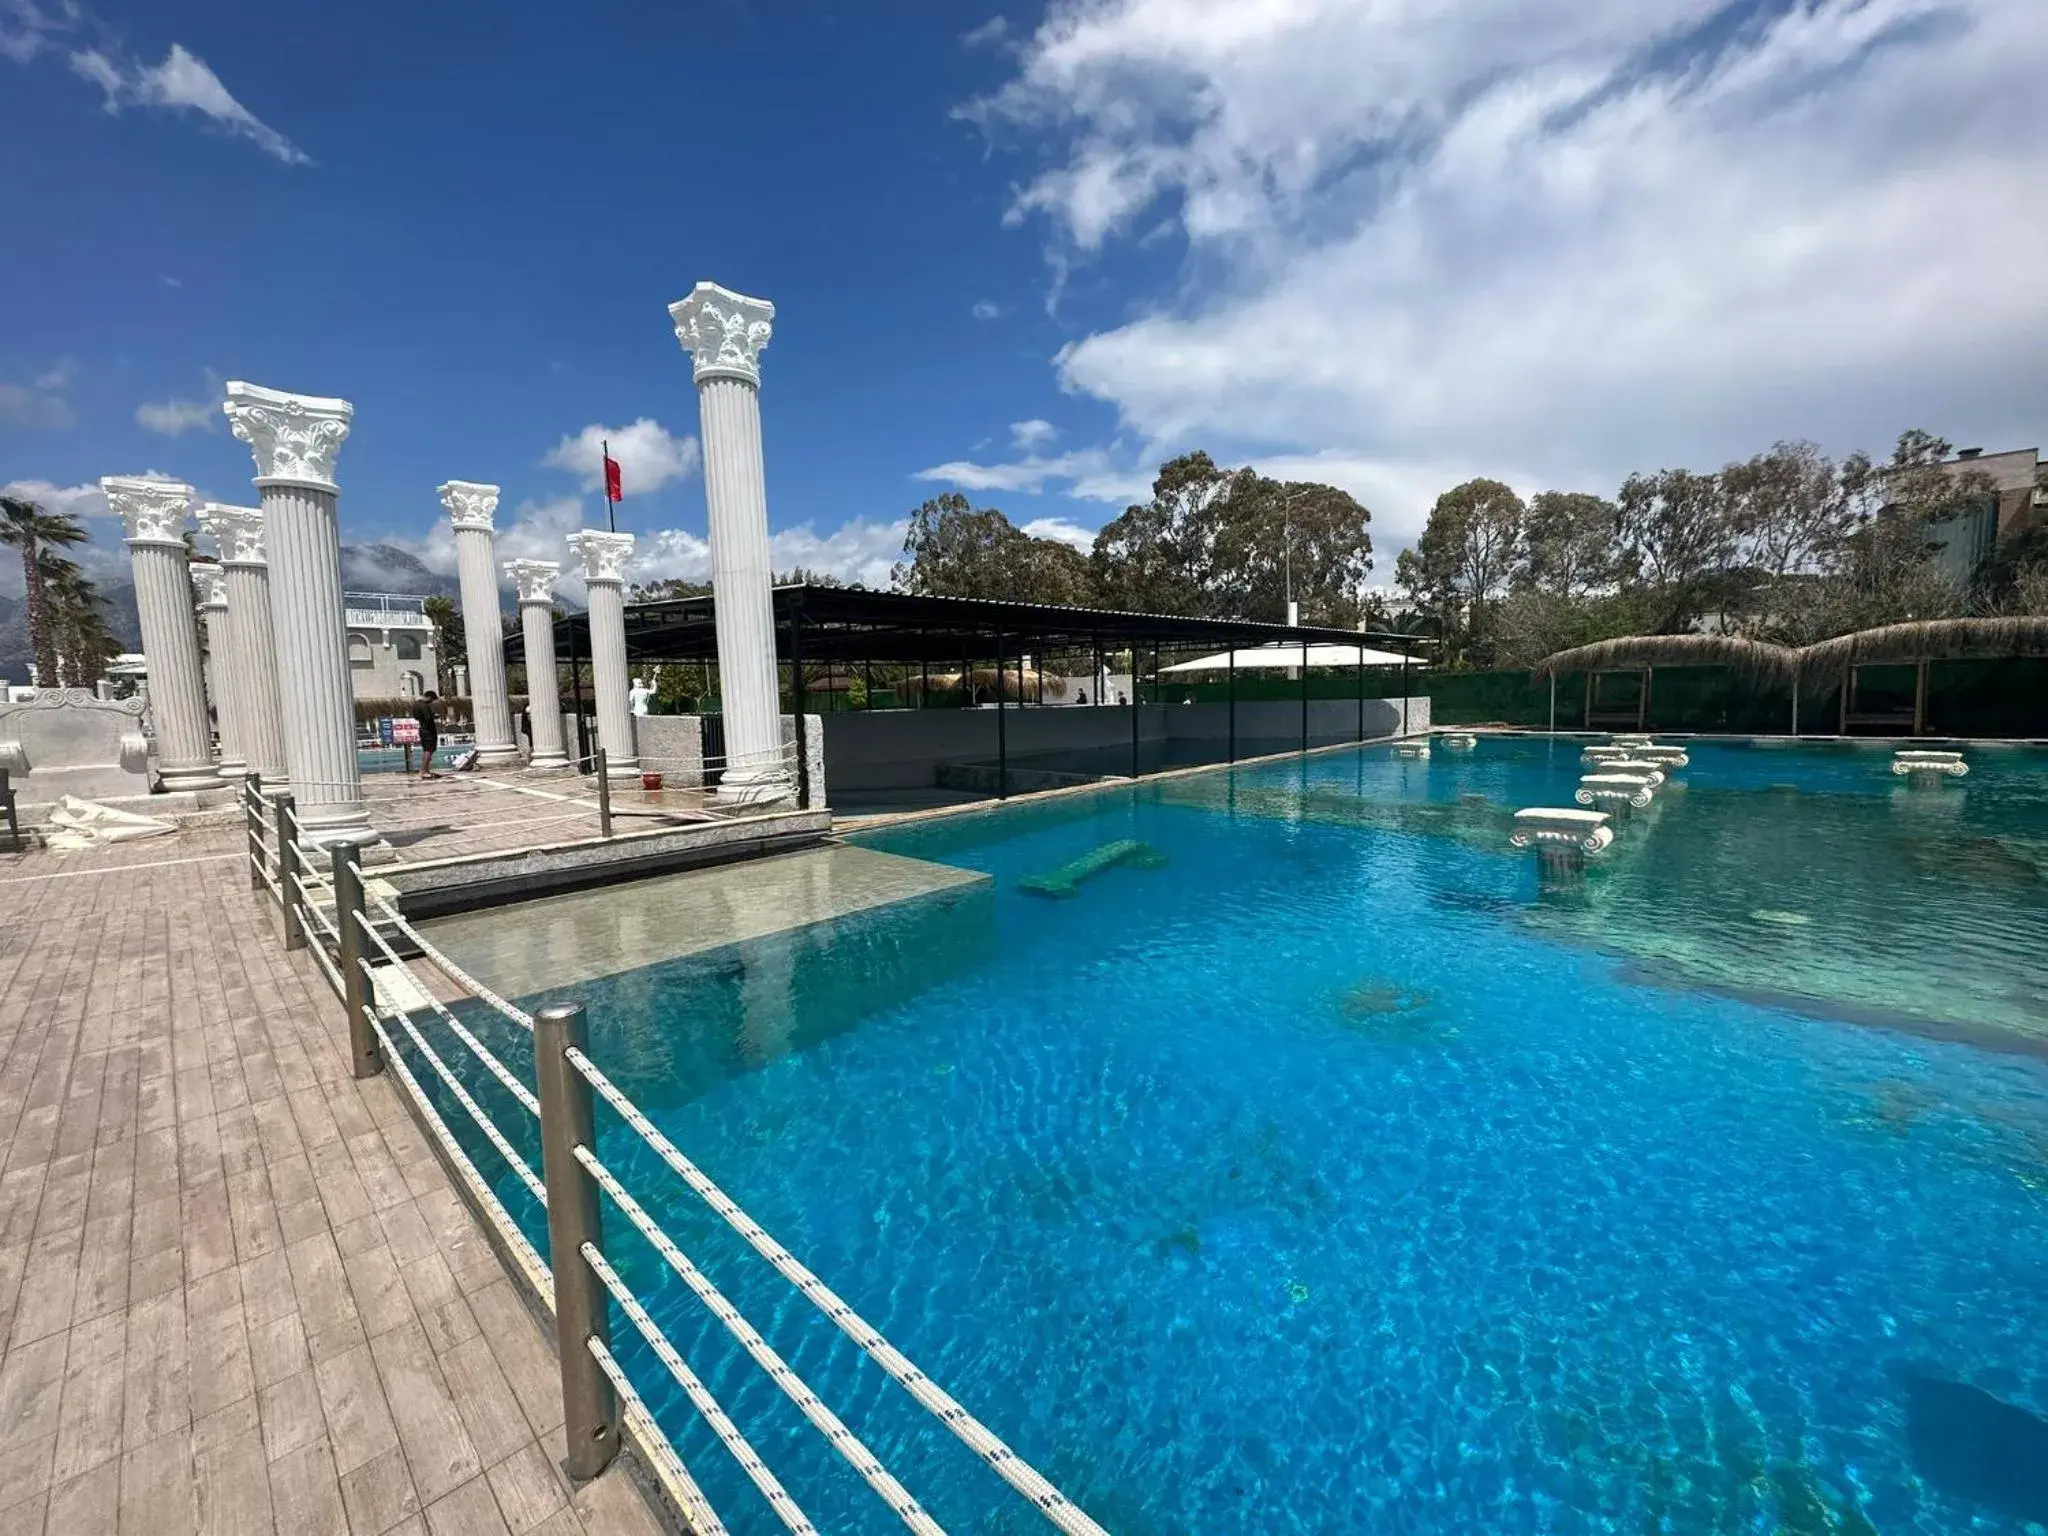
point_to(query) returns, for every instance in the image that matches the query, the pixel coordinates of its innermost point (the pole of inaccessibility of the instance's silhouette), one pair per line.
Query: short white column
(153, 512)
(253, 675)
(724, 333)
(604, 575)
(209, 583)
(535, 581)
(294, 440)
(470, 509)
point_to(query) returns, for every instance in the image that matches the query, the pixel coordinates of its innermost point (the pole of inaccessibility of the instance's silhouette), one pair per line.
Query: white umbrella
(1281, 657)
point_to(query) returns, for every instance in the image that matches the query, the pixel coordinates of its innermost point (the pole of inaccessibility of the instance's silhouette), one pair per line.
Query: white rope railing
(483, 1121)
(785, 1507)
(504, 1074)
(454, 972)
(508, 1229)
(309, 908)
(703, 1518)
(823, 1419)
(1006, 1463)
(319, 954)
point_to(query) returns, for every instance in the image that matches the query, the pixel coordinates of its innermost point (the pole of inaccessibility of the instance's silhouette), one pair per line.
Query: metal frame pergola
(848, 625)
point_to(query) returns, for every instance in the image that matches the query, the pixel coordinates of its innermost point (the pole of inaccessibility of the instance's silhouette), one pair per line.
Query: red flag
(612, 492)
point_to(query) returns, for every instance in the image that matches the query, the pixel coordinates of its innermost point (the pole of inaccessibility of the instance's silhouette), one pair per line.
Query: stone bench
(67, 741)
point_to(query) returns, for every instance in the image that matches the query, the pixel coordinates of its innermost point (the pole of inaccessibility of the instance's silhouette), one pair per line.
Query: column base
(497, 756)
(754, 786)
(188, 777)
(234, 773)
(619, 770)
(322, 826)
(554, 763)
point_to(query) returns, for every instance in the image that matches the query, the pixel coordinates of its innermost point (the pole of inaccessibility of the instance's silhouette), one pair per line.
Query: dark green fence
(1964, 698)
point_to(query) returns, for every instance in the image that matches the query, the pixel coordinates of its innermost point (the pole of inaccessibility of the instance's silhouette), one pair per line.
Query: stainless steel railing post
(356, 992)
(590, 1409)
(288, 876)
(252, 817)
(604, 795)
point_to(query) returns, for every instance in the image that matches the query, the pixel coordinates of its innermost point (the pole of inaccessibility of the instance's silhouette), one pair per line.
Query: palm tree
(82, 640)
(27, 527)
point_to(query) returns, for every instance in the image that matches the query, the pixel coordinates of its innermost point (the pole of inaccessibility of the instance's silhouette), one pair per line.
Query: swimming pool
(1328, 1173)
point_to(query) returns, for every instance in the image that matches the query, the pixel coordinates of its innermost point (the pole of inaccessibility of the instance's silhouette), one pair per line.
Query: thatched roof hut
(1926, 640)
(1753, 658)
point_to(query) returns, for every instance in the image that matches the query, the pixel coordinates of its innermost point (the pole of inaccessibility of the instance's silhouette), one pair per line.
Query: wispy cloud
(648, 455)
(1064, 530)
(987, 309)
(1546, 242)
(1093, 474)
(174, 418)
(1029, 436)
(39, 405)
(990, 34)
(182, 83)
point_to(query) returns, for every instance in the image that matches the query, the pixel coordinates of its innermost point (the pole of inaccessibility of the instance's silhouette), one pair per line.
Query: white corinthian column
(152, 513)
(252, 676)
(470, 509)
(604, 574)
(724, 333)
(209, 582)
(294, 440)
(535, 580)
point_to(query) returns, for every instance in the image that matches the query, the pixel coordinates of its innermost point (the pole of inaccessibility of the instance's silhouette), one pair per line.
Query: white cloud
(26, 29)
(989, 34)
(80, 501)
(987, 309)
(182, 83)
(1063, 529)
(1548, 243)
(1093, 474)
(1028, 436)
(59, 376)
(172, 418)
(23, 405)
(648, 455)
(857, 551)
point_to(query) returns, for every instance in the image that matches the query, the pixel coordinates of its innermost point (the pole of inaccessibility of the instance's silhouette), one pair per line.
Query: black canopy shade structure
(845, 626)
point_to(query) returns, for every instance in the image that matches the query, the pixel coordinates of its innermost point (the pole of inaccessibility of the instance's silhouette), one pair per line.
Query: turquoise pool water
(1332, 1174)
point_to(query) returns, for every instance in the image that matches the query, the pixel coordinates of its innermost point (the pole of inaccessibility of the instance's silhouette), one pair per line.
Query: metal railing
(328, 902)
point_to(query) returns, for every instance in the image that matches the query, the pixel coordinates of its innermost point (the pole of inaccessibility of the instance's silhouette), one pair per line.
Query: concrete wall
(901, 749)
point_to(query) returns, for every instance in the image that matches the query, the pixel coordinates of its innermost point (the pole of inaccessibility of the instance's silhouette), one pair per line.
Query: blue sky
(1028, 254)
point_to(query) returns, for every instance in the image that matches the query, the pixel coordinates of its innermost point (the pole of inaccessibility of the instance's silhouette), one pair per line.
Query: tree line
(68, 635)
(1789, 545)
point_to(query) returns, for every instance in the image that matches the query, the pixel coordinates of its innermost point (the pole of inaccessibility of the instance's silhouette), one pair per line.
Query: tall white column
(604, 575)
(294, 440)
(253, 675)
(209, 582)
(535, 580)
(470, 509)
(153, 513)
(724, 333)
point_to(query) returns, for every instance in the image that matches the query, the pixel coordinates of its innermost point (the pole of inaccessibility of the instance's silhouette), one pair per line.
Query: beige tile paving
(237, 1292)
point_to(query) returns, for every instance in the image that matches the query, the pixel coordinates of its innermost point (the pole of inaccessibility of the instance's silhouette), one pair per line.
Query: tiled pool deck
(237, 1291)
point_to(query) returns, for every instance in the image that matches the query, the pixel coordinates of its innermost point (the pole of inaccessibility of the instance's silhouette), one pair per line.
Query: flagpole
(611, 523)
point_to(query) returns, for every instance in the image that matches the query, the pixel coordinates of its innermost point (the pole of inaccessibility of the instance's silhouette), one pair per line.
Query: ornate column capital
(535, 579)
(603, 554)
(239, 531)
(723, 332)
(469, 504)
(152, 509)
(294, 438)
(209, 582)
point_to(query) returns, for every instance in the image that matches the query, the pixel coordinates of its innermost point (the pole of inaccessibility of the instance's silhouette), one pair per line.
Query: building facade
(1967, 543)
(391, 652)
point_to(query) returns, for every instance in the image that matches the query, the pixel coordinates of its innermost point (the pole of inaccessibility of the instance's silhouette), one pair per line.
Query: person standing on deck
(430, 732)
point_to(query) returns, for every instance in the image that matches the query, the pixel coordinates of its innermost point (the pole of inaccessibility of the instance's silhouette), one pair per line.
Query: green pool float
(1066, 880)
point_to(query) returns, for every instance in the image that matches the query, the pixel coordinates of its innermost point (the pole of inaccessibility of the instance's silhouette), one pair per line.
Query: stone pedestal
(724, 332)
(535, 581)
(471, 508)
(294, 440)
(251, 645)
(604, 573)
(153, 514)
(209, 583)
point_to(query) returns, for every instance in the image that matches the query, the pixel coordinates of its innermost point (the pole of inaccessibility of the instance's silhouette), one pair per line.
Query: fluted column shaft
(177, 685)
(303, 542)
(227, 703)
(483, 630)
(543, 698)
(251, 639)
(607, 609)
(735, 489)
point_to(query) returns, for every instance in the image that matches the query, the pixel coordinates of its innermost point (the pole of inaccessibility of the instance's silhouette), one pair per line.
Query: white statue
(638, 695)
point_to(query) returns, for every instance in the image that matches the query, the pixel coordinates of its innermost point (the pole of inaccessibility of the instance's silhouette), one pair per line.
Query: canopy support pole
(1795, 701)
(1002, 728)
(576, 693)
(1361, 693)
(1920, 700)
(1134, 707)
(796, 697)
(1553, 703)
(1232, 684)
(1848, 689)
(1304, 695)
(924, 668)
(1643, 701)
(1404, 693)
